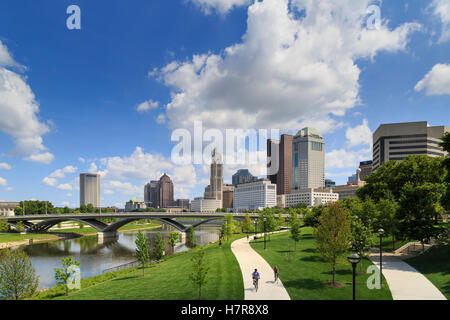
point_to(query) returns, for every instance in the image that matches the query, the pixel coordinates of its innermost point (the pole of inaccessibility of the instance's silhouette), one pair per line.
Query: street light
(265, 233)
(381, 233)
(354, 259)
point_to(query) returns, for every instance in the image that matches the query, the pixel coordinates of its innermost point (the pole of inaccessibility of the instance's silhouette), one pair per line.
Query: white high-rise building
(90, 189)
(308, 159)
(311, 197)
(255, 195)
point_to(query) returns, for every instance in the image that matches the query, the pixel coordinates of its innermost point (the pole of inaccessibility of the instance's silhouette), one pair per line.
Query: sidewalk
(249, 260)
(405, 282)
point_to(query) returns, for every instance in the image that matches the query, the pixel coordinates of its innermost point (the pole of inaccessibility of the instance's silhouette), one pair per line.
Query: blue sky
(280, 71)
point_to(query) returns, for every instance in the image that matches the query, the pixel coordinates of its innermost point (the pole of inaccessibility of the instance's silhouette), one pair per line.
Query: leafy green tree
(248, 226)
(361, 238)
(446, 164)
(174, 237)
(387, 218)
(4, 227)
(417, 211)
(280, 221)
(83, 208)
(333, 235)
(18, 278)
(19, 226)
(200, 269)
(90, 208)
(229, 225)
(311, 217)
(81, 225)
(270, 224)
(62, 275)
(142, 250)
(295, 224)
(192, 239)
(223, 230)
(158, 250)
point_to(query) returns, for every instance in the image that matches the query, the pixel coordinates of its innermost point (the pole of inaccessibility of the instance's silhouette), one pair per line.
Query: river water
(95, 257)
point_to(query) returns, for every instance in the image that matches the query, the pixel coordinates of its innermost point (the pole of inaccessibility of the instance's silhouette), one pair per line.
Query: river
(96, 257)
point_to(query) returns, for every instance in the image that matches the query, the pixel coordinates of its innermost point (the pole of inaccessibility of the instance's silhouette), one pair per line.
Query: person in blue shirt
(255, 277)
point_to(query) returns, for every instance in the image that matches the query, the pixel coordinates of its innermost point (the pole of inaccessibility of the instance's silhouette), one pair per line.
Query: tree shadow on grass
(309, 284)
(309, 250)
(311, 259)
(128, 278)
(307, 236)
(339, 272)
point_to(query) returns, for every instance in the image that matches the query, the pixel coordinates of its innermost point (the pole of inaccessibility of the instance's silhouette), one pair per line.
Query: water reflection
(96, 257)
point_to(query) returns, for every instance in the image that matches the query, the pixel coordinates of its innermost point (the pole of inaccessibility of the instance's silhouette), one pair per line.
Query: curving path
(405, 282)
(249, 260)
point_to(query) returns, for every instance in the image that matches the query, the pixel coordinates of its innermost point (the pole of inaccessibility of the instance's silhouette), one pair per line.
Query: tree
(83, 208)
(62, 275)
(19, 226)
(18, 278)
(361, 238)
(89, 208)
(248, 226)
(387, 218)
(311, 218)
(229, 225)
(446, 146)
(333, 235)
(4, 227)
(418, 210)
(280, 221)
(200, 270)
(174, 237)
(158, 250)
(294, 223)
(192, 239)
(142, 250)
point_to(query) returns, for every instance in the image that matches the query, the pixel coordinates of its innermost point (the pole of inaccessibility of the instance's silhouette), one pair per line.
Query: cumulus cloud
(161, 118)
(93, 167)
(52, 178)
(289, 67)
(4, 165)
(19, 111)
(359, 135)
(50, 181)
(3, 182)
(342, 158)
(441, 8)
(220, 6)
(147, 105)
(65, 186)
(436, 82)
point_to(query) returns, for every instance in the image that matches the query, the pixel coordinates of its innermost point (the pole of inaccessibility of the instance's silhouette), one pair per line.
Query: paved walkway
(405, 282)
(249, 260)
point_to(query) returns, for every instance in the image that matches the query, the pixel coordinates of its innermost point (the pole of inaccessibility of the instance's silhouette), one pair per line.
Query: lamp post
(265, 233)
(354, 259)
(381, 233)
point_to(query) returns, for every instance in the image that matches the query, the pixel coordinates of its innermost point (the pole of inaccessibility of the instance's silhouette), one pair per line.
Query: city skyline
(67, 109)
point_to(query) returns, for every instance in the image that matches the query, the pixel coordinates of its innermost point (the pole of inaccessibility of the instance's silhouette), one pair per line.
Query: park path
(249, 260)
(405, 282)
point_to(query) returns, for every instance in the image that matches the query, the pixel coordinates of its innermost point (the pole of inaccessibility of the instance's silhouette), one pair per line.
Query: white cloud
(50, 181)
(161, 118)
(436, 82)
(65, 186)
(220, 6)
(441, 8)
(93, 168)
(81, 159)
(124, 187)
(147, 105)
(4, 165)
(9, 189)
(108, 192)
(285, 70)
(19, 111)
(359, 135)
(60, 173)
(3, 182)
(341, 158)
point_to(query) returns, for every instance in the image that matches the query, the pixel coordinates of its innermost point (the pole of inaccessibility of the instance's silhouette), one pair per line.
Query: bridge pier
(101, 236)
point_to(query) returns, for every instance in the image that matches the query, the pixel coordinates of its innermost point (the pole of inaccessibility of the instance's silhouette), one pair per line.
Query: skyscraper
(284, 177)
(366, 169)
(214, 190)
(242, 176)
(395, 141)
(165, 192)
(151, 194)
(308, 159)
(90, 189)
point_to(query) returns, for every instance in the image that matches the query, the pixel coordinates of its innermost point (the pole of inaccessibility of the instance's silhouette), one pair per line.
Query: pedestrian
(220, 242)
(247, 237)
(276, 273)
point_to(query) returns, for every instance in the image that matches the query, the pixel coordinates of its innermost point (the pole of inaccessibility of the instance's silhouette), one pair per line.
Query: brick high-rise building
(151, 194)
(165, 192)
(284, 177)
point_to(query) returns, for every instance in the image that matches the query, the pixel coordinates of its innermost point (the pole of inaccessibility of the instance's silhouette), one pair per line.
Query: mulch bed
(335, 285)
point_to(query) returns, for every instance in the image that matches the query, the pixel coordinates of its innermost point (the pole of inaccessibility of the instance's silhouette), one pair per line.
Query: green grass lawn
(11, 237)
(90, 230)
(169, 280)
(387, 243)
(435, 265)
(304, 276)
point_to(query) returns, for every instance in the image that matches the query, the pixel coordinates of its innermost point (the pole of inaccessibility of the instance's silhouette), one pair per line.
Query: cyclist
(255, 276)
(276, 273)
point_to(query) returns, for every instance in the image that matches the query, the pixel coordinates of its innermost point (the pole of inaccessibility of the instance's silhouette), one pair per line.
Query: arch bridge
(42, 223)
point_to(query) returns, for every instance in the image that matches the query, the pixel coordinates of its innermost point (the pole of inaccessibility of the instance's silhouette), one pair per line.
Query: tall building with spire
(214, 190)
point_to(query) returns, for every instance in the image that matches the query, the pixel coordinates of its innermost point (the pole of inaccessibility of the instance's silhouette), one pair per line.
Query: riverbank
(9, 240)
(167, 280)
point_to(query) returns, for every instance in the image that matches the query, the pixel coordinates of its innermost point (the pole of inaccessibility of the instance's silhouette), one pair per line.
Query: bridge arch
(47, 224)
